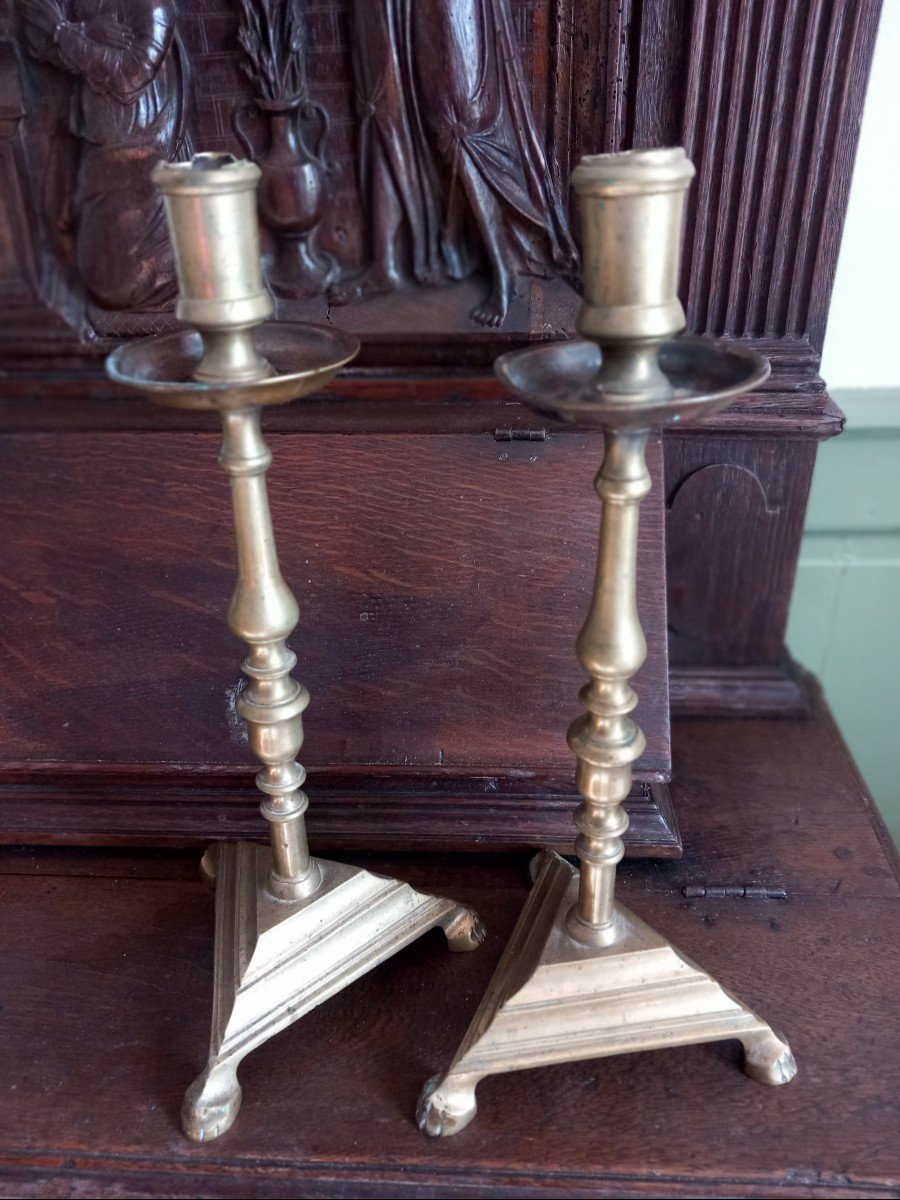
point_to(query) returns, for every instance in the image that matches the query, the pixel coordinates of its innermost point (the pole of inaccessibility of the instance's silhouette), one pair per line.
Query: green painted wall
(845, 615)
(845, 619)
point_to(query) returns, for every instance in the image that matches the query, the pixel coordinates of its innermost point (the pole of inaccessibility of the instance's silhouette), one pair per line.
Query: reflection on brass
(291, 930)
(582, 977)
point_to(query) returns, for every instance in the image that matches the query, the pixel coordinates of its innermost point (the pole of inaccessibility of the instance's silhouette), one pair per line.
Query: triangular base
(276, 960)
(553, 1000)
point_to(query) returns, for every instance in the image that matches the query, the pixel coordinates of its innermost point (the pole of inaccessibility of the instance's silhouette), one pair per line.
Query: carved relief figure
(128, 108)
(397, 173)
(449, 154)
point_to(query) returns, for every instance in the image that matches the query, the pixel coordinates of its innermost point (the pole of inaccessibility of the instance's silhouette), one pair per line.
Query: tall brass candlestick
(582, 976)
(291, 930)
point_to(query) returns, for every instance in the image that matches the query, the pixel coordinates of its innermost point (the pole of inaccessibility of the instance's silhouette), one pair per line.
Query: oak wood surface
(441, 581)
(766, 96)
(106, 985)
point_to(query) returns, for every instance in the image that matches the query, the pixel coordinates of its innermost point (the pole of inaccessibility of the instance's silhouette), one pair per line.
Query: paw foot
(769, 1060)
(540, 860)
(464, 930)
(211, 1104)
(445, 1108)
(208, 865)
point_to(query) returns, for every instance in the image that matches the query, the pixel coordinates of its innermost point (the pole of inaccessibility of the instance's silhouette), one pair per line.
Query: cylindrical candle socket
(211, 212)
(632, 206)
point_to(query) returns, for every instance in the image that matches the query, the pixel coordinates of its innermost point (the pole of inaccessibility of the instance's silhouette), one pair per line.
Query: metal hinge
(746, 892)
(520, 435)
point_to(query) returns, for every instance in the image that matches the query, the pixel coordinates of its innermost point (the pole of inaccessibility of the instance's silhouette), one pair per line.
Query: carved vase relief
(428, 104)
(292, 189)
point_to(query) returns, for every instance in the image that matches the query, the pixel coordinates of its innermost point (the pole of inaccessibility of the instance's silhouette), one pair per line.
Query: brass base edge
(552, 1000)
(277, 960)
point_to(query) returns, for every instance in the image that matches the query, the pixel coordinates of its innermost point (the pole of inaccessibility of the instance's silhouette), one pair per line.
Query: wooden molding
(349, 809)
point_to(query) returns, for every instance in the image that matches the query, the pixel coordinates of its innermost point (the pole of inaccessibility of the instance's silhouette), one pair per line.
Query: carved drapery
(122, 91)
(766, 94)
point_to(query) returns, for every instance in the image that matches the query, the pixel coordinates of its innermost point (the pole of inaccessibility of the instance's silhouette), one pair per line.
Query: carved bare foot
(374, 281)
(212, 1102)
(464, 929)
(429, 276)
(493, 311)
(447, 1105)
(768, 1059)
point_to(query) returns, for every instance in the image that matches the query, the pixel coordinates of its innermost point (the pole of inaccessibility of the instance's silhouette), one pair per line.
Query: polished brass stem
(263, 613)
(611, 648)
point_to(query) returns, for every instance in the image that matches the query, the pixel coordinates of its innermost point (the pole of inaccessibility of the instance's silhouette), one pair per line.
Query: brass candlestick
(291, 930)
(582, 977)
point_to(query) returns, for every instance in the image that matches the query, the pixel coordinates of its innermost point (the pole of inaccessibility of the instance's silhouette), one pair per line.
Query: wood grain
(765, 94)
(441, 581)
(110, 996)
(733, 526)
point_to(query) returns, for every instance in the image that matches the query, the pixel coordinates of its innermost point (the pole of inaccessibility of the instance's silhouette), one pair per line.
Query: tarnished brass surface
(553, 999)
(565, 380)
(632, 206)
(582, 976)
(301, 359)
(276, 961)
(210, 205)
(291, 930)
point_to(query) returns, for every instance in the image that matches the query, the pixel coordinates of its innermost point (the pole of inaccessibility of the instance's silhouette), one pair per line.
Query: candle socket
(210, 205)
(582, 976)
(632, 208)
(291, 929)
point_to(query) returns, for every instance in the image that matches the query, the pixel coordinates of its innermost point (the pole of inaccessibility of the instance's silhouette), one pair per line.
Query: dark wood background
(436, 630)
(117, 566)
(328, 1103)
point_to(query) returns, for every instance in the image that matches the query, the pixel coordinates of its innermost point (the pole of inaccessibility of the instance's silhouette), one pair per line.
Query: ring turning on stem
(291, 930)
(263, 612)
(611, 648)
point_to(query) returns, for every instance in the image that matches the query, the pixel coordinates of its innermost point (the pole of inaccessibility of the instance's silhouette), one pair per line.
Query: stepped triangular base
(275, 960)
(552, 1000)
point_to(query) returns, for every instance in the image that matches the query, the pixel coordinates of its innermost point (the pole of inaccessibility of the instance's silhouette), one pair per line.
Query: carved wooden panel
(773, 94)
(734, 519)
(381, 171)
(765, 95)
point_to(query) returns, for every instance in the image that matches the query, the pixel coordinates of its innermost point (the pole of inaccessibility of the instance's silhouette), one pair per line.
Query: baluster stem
(263, 612)
(611, 648)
